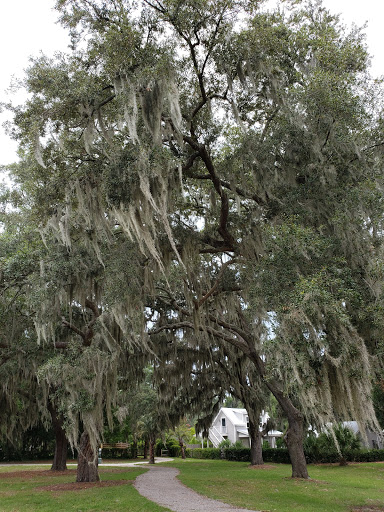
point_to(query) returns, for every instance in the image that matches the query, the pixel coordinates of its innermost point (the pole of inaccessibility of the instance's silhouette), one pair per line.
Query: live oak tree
(241, 151)
(97, 356)
(67, 344)
(25, 401)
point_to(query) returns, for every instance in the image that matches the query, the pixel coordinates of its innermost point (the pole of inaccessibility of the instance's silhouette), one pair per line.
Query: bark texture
(61, 442)
(256, 446)
(295, 433)
(145, 454)
(182, 448)
(87, 463)
(295, 439)
(152, 441)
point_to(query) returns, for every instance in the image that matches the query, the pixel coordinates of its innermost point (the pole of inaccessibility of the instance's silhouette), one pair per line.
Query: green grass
(22, 494)
(331, 488)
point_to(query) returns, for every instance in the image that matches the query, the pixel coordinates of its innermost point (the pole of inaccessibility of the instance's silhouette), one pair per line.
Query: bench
(119, 446)
(164, 453)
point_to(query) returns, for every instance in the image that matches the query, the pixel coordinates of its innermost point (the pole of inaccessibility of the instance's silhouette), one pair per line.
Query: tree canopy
(227, 161)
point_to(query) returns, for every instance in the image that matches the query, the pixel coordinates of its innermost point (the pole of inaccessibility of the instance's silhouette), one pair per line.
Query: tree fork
(295, 433)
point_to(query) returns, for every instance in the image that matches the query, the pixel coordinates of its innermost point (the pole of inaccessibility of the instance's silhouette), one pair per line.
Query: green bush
(226, 443)
(365, 455)
(174, 450)
(204, 453)
(171, 445)
(277, 455)
(323, 447)
(240, 454)
(115, 453)
(281, 455)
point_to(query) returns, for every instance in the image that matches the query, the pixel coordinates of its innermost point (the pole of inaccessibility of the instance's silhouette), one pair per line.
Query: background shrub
(281, 455)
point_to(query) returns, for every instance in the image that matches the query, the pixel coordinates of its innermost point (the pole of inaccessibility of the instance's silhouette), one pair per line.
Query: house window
(247, 421)
(223, 426)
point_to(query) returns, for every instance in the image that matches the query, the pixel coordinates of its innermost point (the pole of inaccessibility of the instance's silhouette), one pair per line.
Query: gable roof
(231, 414)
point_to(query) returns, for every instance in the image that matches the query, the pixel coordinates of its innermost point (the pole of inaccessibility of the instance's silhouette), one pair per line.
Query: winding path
(160, 485)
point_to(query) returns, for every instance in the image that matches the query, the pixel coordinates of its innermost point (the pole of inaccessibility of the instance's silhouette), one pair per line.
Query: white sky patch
(28, 27)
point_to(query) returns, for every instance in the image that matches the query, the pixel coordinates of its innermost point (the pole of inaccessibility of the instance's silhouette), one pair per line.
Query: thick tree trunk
(87, 462)
(61, 442)
(61, 448)
(295, 433)
(295, 443)
(152, 442)
(256, 446)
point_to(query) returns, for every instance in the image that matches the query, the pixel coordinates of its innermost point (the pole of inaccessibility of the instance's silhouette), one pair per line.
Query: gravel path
(160, 485)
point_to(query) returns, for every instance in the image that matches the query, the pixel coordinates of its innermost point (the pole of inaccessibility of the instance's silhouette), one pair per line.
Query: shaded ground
(32, 474)
(79, 486)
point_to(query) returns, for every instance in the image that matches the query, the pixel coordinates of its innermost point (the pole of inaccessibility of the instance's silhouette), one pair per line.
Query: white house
(233, 424)
(371, 439)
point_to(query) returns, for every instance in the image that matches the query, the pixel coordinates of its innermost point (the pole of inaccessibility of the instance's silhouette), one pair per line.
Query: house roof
(271, 433)
(230, 413)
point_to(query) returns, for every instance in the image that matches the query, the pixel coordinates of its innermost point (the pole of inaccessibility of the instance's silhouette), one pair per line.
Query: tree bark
(295, 432)
(61, 442)
(145, 454)
(134, 449)
(87, 461)
(295, 443)
(256, 446)
(152, 442)
(182, 448)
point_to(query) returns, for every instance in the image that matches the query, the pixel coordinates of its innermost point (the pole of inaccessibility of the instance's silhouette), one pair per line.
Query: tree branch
(73, 328)
(215, 286)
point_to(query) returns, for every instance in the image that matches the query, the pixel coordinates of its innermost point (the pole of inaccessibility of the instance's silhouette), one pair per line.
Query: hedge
(204, 453)
(239, 454)
(281, 455)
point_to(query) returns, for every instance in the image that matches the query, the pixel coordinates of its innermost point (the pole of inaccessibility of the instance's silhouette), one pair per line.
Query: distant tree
(182, 433)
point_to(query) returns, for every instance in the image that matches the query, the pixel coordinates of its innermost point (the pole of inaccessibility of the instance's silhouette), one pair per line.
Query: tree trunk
(295, 439)
(152, 442)
(61, 442)
(134, 449)
(182, 448)
(256, 446)
(87, 462)
(145, 449)
(295, 433)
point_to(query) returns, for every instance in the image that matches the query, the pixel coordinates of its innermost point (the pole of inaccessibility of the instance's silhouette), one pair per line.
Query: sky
(29, 26)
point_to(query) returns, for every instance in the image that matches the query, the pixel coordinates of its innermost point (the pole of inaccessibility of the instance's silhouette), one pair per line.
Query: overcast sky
(28, 27)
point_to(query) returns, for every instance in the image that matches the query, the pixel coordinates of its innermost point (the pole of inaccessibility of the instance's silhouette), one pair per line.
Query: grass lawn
(357, 487)
(331, 488)
(24, 494)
